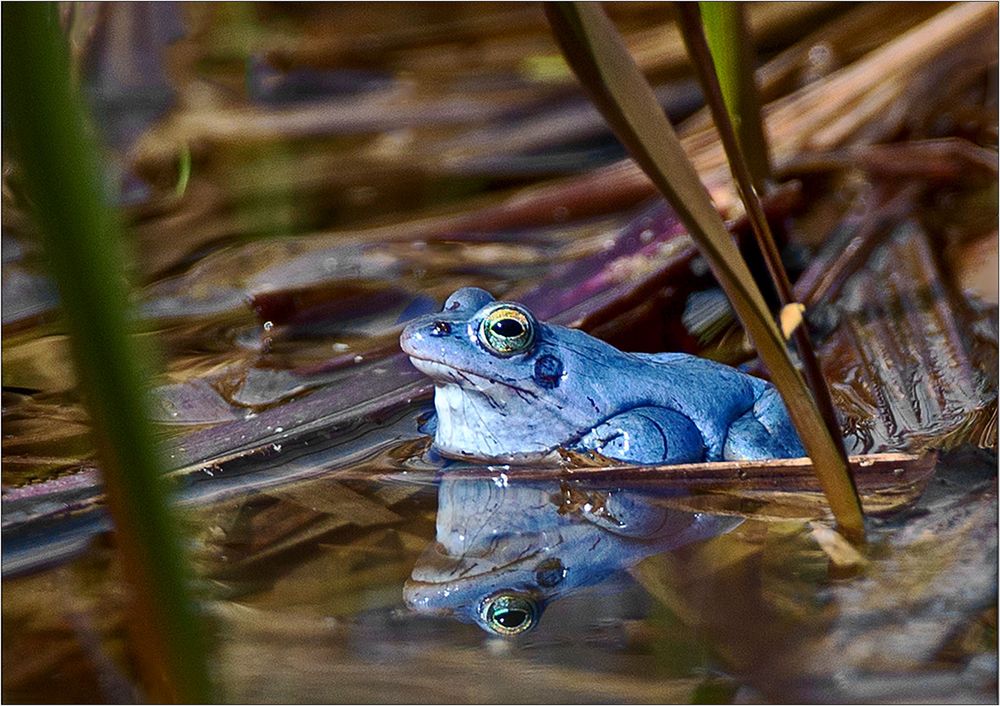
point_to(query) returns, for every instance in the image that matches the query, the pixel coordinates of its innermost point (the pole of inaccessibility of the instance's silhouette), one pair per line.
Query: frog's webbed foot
(646, 435)
(765, 431)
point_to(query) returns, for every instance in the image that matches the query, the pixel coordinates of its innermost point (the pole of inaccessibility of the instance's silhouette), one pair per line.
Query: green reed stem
(58, 162)
(698, 49)
(598, 56)
(728, 37)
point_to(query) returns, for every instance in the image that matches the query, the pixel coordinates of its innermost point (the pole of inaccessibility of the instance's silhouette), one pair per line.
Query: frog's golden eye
(506, 331)
(510, 613)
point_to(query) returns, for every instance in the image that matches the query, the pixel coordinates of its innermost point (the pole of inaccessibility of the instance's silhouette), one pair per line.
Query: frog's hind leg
(646, 435)
(763, 432)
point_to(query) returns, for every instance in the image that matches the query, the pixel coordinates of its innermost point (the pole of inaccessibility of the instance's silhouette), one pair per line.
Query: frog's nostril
(440, 328)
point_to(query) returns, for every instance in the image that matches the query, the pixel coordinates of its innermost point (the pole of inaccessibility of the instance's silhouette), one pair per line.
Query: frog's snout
(405, 339)
(416, 336)
(427, 334)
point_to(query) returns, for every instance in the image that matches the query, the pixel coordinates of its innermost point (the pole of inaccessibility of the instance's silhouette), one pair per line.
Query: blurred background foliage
(296, 178)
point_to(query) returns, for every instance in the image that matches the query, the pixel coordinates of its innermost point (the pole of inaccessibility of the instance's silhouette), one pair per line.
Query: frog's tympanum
(509, 388)
(506, 548)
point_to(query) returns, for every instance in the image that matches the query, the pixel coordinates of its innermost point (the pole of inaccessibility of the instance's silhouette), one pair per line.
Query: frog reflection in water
(506, 548)
(509, 388)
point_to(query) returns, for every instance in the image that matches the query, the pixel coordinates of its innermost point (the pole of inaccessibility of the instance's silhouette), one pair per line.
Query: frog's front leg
(646, 435)
(765, 431)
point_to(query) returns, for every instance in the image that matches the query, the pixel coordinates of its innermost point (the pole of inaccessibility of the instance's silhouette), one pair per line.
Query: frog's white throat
(474, 424)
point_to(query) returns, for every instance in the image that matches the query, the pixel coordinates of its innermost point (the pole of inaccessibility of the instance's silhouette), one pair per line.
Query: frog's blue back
(737, 416)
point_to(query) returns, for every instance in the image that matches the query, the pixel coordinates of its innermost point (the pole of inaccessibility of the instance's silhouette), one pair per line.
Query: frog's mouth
(437, 568)
(442, 582)
(439, 372)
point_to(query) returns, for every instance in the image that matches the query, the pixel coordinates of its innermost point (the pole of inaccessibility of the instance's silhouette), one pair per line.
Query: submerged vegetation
(296, 181)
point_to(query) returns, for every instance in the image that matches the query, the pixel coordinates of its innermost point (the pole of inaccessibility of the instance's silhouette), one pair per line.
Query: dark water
(364, 583)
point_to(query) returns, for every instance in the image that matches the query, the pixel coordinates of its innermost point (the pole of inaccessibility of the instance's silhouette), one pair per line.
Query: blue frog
(510, 388)
(507, 548)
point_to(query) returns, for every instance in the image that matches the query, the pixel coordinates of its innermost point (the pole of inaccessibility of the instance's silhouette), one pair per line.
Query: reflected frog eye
(510, 613)
(506, 331)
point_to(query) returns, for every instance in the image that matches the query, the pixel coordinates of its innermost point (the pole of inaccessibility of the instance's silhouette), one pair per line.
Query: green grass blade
(183, 172)
(81, 237)
(599, 58)
(734, 56)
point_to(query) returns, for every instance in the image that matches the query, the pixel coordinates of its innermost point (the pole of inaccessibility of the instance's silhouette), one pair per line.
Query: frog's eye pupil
(512, 619)
(509, 328)
(510, 613)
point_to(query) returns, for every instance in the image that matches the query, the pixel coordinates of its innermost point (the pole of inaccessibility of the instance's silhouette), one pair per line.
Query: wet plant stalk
(598, 56)
(694, 38)
(57, 161)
